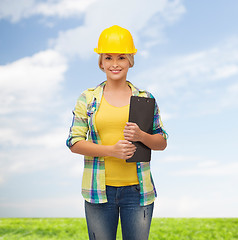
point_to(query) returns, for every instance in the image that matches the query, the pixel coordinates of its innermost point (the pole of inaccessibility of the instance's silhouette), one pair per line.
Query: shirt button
(141, 181)
(138, 166)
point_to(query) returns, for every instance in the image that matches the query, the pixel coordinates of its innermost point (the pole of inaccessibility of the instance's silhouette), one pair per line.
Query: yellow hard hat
(115, 40)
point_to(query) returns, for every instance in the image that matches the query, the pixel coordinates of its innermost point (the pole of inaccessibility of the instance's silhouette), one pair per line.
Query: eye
(121, 57)
(108, 58)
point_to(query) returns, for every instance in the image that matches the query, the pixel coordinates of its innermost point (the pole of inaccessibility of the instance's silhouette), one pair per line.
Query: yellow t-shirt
(110, 122)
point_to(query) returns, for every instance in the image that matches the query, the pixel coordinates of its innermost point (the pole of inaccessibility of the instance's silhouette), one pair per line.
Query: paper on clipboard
(142, 113)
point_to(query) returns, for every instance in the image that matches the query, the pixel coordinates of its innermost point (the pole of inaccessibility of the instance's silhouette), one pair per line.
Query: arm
(123, 149)
(156, 141)
(78, 133)
(133, 133)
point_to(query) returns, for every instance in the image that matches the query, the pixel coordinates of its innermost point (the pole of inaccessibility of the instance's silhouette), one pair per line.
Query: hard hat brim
(99, 52)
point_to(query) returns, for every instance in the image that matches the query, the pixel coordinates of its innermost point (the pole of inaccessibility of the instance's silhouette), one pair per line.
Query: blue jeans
(102, 219)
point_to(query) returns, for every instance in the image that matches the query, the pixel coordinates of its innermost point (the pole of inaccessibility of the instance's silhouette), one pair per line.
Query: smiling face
(115, 66)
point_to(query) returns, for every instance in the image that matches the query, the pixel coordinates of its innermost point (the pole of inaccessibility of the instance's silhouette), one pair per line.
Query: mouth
(115, 71)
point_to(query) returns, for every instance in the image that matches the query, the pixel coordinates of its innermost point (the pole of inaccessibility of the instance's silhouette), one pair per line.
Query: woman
(101, 132)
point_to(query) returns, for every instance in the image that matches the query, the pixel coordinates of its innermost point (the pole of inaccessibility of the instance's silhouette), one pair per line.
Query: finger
(128, 132)
(128, 143)
(130, 153)
(129, 156)
(130, 124)
(131, 149)
(129, 138)
(129, 127)
(128, 135)
(125, 142)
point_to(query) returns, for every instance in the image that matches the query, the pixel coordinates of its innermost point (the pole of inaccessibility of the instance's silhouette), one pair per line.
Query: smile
(115, 71)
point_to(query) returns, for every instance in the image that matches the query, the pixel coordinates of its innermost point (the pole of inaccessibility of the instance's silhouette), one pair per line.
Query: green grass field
(161, 228)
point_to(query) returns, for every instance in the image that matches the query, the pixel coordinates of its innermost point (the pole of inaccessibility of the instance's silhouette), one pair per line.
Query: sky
(187, 58)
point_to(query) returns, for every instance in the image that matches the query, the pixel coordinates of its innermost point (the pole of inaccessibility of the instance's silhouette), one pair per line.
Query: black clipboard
(142, 113)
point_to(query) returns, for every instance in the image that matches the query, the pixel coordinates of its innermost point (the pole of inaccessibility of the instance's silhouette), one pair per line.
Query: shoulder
(147, 94)
(90, 93)
(140, 92)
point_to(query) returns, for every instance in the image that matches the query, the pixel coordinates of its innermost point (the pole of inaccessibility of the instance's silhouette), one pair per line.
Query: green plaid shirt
(84, 128)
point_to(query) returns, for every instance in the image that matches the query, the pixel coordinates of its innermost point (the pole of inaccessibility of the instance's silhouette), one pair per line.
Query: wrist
(109, 150)
(141, 136)
(144, 137)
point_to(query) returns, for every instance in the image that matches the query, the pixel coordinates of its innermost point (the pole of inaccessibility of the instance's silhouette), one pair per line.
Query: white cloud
(210, 168)
(230, 96)
(16, 10)
(209, 163)
(63, 8)
(225, 71)
(20, 9)
(40, 156)
(205, 67)
(194, 165)
(31, 82)
(206, 78)
(179, 158)
(68, 206)
(203, 206)
(146, 25)
(29, 93)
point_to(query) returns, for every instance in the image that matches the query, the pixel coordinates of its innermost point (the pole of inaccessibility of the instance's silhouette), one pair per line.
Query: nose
(115, 64)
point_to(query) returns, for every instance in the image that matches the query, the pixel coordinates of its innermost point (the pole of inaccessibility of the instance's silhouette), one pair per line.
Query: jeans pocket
(136, 188)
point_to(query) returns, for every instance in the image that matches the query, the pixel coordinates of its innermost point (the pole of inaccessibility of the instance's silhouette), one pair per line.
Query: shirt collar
(98, 90)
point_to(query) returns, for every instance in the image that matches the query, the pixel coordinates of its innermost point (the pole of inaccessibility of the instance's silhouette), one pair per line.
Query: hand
(123, 149)
(132, 132)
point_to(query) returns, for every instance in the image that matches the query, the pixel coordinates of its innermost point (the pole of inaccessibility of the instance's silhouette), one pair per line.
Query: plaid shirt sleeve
(157, 124)
(79, 128)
